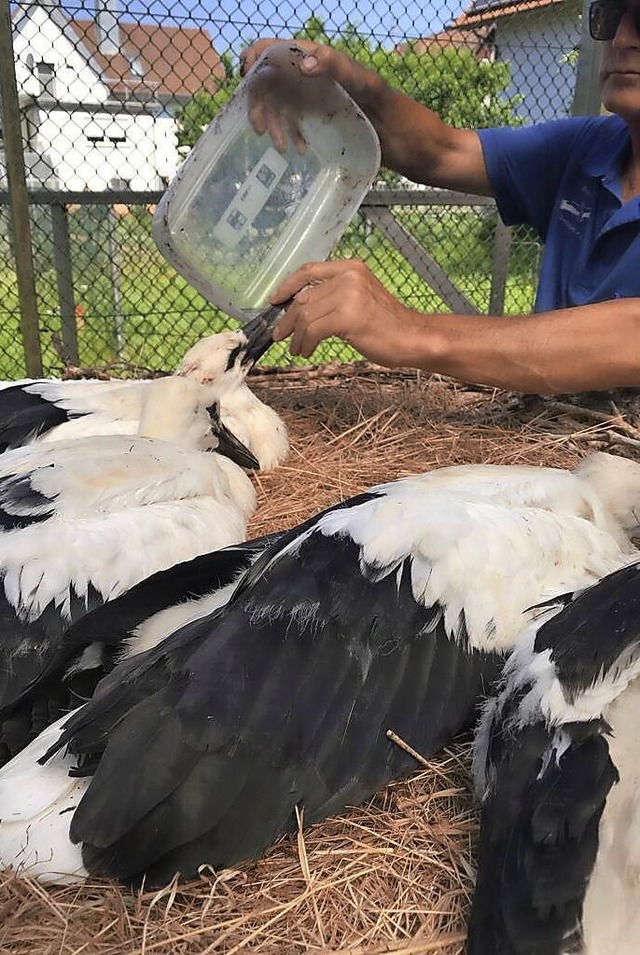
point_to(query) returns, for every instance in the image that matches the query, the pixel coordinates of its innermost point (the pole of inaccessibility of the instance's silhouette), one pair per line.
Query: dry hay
(394, 875)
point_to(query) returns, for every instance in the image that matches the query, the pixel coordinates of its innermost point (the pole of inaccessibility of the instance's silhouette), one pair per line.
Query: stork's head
(233, 352)
(616, 481)
(210, 358)
(180, 410)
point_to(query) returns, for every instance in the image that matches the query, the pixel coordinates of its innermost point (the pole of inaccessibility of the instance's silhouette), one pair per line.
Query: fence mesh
(112, 95)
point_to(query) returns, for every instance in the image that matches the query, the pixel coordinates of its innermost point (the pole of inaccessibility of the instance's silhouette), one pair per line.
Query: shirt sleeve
(525, 166)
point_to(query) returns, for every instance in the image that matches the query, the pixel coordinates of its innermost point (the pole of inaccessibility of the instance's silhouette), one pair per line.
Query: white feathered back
(616, 481)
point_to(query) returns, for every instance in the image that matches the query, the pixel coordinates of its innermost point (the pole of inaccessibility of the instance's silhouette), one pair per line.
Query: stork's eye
(234, 355)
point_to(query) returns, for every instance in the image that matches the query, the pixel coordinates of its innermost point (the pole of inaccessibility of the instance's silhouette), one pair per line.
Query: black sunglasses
(605, 17)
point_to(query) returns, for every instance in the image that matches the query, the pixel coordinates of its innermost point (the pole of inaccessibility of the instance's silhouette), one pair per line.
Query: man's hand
(344, 298)
(279, 96)
(365, 86)
(252, 53)
(319, 59)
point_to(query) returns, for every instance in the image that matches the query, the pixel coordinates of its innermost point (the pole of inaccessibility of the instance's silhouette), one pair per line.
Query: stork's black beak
(230, 446)
(259, 332)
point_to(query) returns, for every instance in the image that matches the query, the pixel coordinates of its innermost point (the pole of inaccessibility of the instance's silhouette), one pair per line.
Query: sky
(230, 21)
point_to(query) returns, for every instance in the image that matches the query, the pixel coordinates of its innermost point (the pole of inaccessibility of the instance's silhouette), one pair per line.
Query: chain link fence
(107, 96)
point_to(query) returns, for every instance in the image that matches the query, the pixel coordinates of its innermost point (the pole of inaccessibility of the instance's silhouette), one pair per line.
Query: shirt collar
(606, 162)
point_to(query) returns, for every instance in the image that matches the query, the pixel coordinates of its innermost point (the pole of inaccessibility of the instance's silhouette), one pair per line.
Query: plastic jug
(240, 214)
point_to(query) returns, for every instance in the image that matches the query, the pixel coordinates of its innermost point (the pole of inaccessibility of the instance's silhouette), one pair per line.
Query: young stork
(50, 410)
(557, 763)
(391, 611)
(83, 521)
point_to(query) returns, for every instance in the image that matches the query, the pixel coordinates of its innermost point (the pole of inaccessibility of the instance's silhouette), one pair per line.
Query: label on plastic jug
(251, 198)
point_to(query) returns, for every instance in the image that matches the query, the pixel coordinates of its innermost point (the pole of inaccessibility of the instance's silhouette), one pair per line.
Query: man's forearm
(412, 137)
(591, 347)
(416, 143)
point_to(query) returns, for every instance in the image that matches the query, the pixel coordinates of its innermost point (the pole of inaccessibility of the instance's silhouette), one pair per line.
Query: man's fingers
(296, 136)
(251, 53)
(283, 327)
(306, 339)
(312, 273)
(257, 118)
(310, 321)
(275, 130)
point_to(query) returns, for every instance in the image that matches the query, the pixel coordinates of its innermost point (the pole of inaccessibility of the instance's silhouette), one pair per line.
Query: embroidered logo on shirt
(578, 211)
(574, 215)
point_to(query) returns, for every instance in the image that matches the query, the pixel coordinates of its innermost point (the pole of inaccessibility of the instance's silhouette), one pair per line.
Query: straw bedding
(394, 875)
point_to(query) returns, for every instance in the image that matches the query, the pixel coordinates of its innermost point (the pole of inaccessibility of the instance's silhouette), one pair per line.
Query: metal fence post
(116, 279)
(500, 267)
(18, 199)
(64, 279)
(586, 96)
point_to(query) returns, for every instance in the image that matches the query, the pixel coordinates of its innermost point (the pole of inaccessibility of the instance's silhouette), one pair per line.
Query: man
(576, 180)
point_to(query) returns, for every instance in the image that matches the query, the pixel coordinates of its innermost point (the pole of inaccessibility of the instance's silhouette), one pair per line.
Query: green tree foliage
(461, 90)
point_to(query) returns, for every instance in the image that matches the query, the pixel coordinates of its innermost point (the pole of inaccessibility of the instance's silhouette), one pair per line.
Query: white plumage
(557, 765)
(253, 422)
(58, 793)
(82, 521)
(48, 410)
(391, 610)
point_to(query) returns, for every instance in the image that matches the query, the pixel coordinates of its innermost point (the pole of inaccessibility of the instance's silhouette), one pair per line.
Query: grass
(155, 315)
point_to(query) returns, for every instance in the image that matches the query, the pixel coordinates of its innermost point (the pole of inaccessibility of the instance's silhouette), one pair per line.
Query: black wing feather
(111, 623)
(25, 415)
(38, 673)
(595, 630)
(21, 504)
(275, 707)
(33, 658)
(538, 843)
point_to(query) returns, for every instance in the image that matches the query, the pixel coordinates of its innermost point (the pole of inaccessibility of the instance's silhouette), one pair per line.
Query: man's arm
(586, 348)
(590, 347)
(414, 140)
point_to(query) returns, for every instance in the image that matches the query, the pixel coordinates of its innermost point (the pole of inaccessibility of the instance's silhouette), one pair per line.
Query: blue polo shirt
(563, 178)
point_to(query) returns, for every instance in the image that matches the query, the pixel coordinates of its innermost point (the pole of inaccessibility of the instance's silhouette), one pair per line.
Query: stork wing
(24, 414)
(549, 770)
(204, 746)
(538, 840)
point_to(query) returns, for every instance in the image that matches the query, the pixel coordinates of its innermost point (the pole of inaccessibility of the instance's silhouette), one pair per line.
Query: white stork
(51, 410)
(390, 611)
(83, 521)
(558, 767)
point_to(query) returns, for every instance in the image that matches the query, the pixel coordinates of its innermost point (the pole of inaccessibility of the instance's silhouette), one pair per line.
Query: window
(94, 132)
(116, 134)
(106, 131)
(46, 73)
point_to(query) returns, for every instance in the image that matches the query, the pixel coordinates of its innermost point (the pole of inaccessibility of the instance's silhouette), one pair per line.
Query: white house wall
(62, 155)
(75, 81)
(536, 45)
(143, 161)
